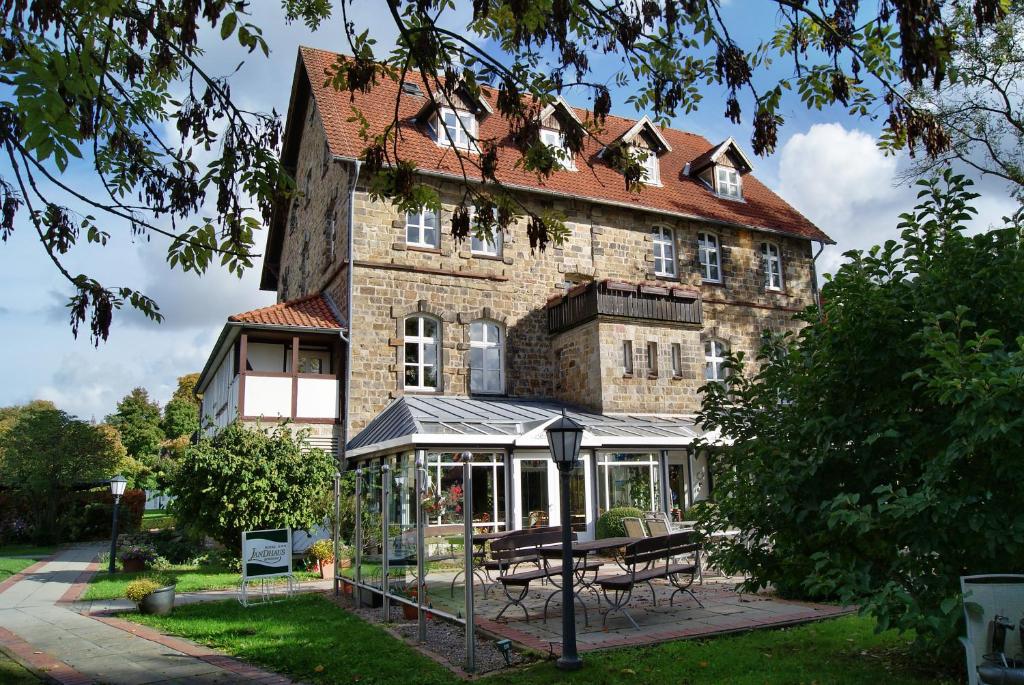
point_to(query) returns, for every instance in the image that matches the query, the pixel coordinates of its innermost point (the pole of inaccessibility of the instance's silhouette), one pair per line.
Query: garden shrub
(875, 457)
(250, 478)
(609, 524)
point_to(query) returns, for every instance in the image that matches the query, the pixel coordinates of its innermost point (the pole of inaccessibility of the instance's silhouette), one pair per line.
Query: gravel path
(445, 640)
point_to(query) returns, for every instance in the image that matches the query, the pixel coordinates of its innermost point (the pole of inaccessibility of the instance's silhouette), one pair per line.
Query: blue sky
(826, 165)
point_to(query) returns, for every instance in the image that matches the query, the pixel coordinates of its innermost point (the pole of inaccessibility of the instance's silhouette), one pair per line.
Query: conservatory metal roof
(412, 420)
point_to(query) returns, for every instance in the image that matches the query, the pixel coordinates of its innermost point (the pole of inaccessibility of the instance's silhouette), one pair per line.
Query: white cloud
(843, 183)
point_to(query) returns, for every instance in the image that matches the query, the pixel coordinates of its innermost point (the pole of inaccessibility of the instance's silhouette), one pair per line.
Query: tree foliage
(249, 478)
(981, 105)
(138, 420)
(181, 413)
(47, 453)
(875, 456)
(104, 82)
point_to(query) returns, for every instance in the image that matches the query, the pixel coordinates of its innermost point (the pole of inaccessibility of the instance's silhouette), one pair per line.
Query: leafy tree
(99, 82)
(981, 105)
(181, 413)
(875, 456)
(249, 478)
(47, 453)
(138, 420)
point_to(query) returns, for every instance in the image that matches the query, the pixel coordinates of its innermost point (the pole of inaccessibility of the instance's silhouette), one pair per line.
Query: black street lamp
(117, 485)
(564, 439)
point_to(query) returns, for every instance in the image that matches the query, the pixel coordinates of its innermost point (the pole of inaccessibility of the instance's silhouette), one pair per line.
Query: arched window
(486, 358)
(714, 357)
(422, 345)
(664, 251)
(771, 258)
(710, 257)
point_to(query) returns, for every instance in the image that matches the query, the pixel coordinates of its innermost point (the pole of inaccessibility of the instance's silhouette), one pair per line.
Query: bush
(875, 457)
(251, 479)
(609, 525)
(322, 551)
(137, 553)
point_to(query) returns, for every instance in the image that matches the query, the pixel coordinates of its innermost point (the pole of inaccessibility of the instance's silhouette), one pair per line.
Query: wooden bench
(650, 559)
(530, 546)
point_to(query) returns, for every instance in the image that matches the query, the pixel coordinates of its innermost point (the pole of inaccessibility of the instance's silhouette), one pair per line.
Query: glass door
(536, 502)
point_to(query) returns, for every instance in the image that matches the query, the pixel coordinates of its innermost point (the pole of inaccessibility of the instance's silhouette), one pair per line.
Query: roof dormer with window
(646, 145)
(722, 169)
(454, 119)
(554, 120)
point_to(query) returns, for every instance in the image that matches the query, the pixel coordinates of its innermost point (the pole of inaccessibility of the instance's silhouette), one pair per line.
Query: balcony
(644, 301)
(289, 377)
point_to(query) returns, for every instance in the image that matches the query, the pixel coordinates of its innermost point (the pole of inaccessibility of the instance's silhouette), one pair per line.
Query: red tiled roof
(311, 311)
(679, 194)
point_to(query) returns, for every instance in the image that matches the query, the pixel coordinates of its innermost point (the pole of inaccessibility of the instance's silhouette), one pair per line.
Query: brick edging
(39, 663)
(239, 668)
(77, 589)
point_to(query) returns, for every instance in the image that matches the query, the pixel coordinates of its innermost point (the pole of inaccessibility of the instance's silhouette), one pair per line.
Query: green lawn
(11, 673)
(313, 640)
(157, 519)
(14, 558)
(189, 579)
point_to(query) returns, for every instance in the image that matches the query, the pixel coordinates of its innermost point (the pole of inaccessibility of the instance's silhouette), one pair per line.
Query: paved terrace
(724, 611)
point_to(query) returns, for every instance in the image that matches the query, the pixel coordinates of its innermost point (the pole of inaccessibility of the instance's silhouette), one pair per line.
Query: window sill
(677, 377)
(422, 248)
(653, 376)
(420, 391)
(627, 374)
(719, 284)
(482, 255)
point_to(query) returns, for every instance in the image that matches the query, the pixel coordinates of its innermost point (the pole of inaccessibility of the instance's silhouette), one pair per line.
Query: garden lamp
(117, 486)
(564, 438)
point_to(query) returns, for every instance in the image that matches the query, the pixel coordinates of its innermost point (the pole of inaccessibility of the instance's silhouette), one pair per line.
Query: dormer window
(457, 128)
(652, 170)
(556, 141)
(728, 182)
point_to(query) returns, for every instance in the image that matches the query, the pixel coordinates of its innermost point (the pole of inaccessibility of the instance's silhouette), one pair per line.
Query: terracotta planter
(346, 563)
(327, 570)
(159, 602)
(133, 565)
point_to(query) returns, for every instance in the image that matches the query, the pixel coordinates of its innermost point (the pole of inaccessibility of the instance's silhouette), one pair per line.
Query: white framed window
(728, 182)
(652, 359)
(456, 127)
(677, 360)
(422, 364)
(710, 257)
(664, 251)
(486, 358)
(771, 258)
(421, 229)
(555, 140)
(714, 357)
(627, 357)
(652, 170)
(486, 248)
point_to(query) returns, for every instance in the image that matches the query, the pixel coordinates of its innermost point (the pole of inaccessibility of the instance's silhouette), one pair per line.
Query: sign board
(266, 553)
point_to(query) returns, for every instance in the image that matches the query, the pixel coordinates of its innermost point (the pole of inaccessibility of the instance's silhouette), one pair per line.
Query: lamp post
(564, 439)
(117, 485)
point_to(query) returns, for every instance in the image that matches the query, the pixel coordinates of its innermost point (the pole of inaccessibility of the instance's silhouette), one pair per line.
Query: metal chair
(634, 527)
(657, 527)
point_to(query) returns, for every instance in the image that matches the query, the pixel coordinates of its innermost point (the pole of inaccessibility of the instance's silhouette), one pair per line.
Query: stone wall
(393, 279)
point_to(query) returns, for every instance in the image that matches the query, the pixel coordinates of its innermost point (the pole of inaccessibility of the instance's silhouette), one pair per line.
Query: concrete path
(97, 650)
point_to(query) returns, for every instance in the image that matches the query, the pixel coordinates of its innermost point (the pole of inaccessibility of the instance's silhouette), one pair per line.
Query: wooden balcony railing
(586, 301)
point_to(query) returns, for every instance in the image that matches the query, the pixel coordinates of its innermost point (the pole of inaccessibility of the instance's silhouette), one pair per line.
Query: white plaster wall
(318, 398)
(270, 397)
(266, 357)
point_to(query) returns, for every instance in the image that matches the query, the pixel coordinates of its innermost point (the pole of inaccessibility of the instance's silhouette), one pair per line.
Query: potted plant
(409, 611)
(134, 558)
(322, 552)
(345, 554)
(152, 595)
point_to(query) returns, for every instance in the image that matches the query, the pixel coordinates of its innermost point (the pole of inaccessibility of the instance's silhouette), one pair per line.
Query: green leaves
(874, 457)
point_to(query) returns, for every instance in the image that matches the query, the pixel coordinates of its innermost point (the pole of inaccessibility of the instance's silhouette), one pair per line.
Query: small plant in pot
(152, 595)
(322, 552)
(135, 558)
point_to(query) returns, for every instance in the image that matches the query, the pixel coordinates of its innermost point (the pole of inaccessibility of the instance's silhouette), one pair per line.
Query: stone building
(429, 347)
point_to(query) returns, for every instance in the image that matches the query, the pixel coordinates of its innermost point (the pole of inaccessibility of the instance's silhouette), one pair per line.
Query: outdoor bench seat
(652, 559)
(526, 577)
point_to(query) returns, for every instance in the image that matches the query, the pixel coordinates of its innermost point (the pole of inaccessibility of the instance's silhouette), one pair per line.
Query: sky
(827, 165)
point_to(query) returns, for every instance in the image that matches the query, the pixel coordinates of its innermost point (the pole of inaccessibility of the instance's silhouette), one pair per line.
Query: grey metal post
(467, 519)
(385, 500)
(337, 527)
(357, 591)
(570, 659)
(421, 566)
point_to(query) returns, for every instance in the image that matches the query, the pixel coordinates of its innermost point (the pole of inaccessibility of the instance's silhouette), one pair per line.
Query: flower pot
(327, 570)
(159, 602)
(346, 563)
(133, 565)
(409, 612)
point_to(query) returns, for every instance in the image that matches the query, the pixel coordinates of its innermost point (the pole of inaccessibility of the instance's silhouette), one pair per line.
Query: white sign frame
(251, 549)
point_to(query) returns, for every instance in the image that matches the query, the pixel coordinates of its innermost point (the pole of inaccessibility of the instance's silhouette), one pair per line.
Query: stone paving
(75, 648)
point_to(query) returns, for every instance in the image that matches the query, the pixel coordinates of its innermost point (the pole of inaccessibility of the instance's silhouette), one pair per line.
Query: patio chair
(634, 527)
(657, 527)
